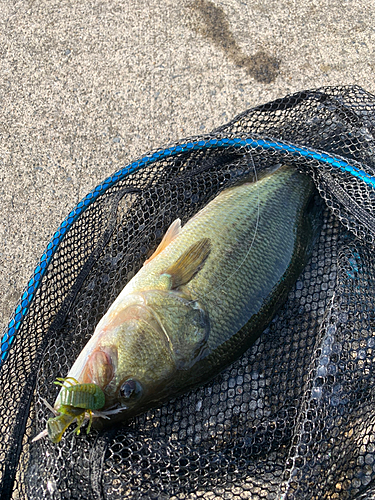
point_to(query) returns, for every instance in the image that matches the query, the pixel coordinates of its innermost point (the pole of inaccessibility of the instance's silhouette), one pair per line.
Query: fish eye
(130, 390)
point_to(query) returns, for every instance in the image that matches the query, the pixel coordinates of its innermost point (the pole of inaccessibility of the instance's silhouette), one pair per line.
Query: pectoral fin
(169, 236)
(189, 263)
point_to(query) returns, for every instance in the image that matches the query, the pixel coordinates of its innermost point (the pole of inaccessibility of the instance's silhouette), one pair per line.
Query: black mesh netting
(294, 417)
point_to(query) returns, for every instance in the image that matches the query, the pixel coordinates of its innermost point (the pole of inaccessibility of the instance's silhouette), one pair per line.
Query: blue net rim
(249, 143)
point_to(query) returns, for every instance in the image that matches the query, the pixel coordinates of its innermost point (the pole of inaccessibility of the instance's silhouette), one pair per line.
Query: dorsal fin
(169, 236)
(189, 263)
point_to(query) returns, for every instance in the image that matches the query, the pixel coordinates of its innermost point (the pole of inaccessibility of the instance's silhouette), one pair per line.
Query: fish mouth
(104, 363)
(100, 367)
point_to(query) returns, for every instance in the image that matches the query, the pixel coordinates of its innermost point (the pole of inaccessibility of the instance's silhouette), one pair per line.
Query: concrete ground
(85, 87)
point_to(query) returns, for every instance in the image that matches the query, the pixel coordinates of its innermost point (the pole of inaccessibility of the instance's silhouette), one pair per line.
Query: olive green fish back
(294, 417)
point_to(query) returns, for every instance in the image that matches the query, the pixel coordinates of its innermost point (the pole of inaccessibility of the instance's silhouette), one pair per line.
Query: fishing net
(294, 417)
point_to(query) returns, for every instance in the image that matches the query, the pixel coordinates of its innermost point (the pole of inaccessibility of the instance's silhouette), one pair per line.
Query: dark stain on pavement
(213, 25)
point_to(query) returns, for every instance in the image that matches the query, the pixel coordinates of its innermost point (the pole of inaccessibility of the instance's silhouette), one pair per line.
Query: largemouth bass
(199, 301)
